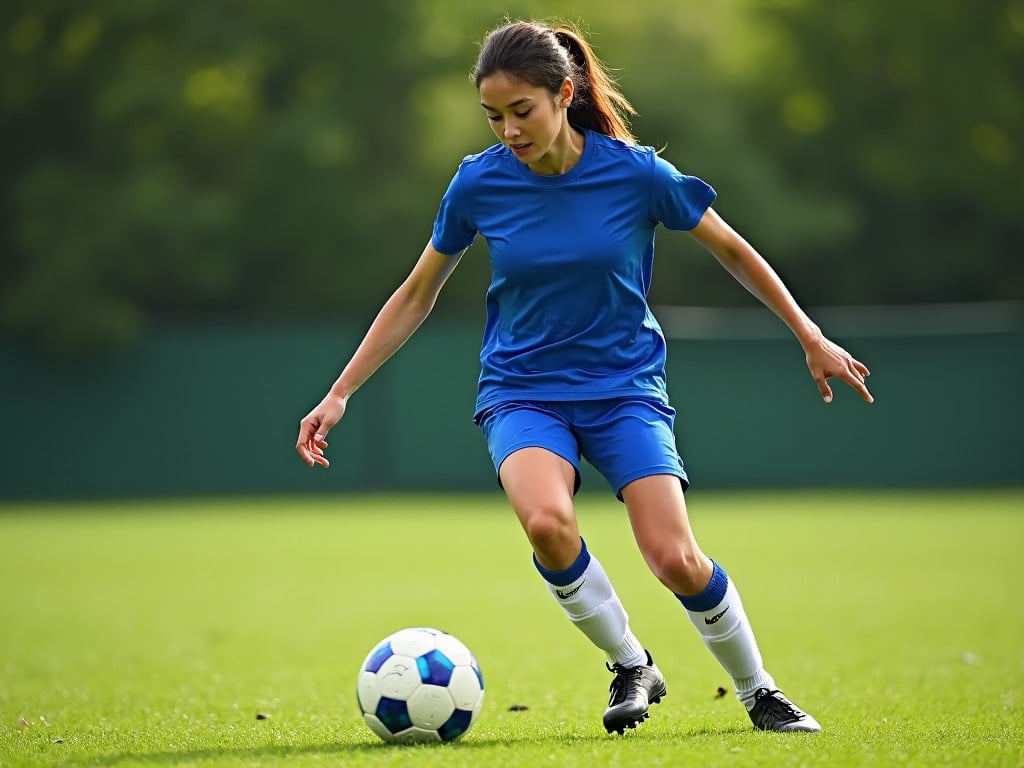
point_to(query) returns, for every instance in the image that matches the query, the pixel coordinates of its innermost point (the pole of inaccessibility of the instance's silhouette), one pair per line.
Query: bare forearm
(397, 320)
(825, 359)
(757, 276)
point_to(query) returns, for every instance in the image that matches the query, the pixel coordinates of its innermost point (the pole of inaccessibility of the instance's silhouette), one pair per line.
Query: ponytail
(598, 103)
(544, 57)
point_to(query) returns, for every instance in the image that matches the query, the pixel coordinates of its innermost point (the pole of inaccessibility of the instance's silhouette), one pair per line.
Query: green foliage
(237, 156)
(150, 635)
(909, 115)
(259, 157)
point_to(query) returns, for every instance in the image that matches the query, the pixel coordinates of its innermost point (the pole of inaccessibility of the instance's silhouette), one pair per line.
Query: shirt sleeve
(678, 200)
(454, 229)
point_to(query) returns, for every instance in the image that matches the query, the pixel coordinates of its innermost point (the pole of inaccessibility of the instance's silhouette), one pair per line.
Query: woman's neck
(564, 154)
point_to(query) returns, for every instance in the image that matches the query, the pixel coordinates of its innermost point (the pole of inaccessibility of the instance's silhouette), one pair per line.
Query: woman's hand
(827, 360)
(314, 428)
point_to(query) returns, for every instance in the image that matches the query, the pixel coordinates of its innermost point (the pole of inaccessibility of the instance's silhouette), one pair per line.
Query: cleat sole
(620, 728)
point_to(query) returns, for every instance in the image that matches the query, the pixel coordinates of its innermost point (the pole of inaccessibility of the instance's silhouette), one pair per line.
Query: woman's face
(528, 119)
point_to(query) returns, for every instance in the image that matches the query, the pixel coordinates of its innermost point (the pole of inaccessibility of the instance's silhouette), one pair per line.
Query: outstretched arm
(825, 359)
(397, 320)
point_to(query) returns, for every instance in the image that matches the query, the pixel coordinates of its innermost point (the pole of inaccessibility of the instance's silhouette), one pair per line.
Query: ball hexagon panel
(377, 726)
(412, 642)
(430, 706)
(398, 677)
(367, 691)
(456, 725)
(454, 649)
(378, 656)
(393, 714)
(465, 688)
(417, 736)
(435, 668)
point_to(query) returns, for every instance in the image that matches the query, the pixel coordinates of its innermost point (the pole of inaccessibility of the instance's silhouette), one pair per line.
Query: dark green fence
(215, 411)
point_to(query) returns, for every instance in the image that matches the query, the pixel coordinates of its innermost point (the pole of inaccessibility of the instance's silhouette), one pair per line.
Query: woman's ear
(565, 94)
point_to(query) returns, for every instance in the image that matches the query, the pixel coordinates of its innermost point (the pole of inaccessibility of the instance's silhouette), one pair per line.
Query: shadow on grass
(190, 757)
(187, 757)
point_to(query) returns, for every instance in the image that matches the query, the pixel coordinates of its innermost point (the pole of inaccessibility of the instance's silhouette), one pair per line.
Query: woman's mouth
(520, 149)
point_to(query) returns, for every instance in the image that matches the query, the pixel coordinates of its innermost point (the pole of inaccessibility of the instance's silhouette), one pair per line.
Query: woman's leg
(657, 513)
(539, 485)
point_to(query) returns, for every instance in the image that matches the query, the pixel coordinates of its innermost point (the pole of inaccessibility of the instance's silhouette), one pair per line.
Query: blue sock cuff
(570, 574)
(712, 595)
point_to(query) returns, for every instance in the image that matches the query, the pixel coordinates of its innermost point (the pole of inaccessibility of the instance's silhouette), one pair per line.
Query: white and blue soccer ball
(420, 685)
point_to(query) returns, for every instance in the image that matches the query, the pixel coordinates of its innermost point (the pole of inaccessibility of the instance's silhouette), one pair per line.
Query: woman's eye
(496, 118)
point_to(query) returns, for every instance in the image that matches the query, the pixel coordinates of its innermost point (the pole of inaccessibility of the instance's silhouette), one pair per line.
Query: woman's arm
(396, 322)
(825, 359)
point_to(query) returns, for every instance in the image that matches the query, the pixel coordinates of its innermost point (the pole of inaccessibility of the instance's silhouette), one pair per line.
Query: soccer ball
(419, 685)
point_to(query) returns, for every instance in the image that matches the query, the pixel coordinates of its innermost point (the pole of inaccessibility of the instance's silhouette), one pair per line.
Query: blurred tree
(691, 97)
(221, 157)
(911, 116)
(249, 157)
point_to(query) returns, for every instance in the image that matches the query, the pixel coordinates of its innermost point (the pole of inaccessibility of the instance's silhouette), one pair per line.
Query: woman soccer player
(572, 358)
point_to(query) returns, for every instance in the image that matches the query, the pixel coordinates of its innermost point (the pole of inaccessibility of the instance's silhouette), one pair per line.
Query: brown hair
(543, 57)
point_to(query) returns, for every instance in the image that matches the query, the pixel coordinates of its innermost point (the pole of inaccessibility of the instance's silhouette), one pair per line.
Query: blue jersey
(571, 262)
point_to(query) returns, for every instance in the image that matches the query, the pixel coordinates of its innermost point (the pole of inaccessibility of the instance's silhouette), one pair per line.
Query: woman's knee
(686, 571)
(553, 534)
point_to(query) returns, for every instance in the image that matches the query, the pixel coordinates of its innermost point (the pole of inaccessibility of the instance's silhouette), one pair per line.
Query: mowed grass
(156, 633)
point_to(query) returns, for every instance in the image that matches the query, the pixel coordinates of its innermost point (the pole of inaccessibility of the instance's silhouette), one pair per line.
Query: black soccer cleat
(633, 690)
(774, 712)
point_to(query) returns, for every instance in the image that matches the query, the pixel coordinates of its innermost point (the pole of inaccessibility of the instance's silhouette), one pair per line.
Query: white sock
(718, 615)
(588, 599)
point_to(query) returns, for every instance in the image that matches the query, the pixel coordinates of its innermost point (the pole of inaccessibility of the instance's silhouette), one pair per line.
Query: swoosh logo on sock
(716, 617)
(566, 595)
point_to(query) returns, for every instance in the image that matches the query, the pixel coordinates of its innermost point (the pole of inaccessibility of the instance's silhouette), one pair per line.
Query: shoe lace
(774, 704)
(625, 684)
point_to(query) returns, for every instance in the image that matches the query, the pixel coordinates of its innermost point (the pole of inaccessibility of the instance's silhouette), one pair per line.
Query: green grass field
(153, 634)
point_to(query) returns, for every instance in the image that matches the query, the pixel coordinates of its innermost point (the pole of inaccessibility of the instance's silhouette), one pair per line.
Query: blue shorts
(623, 439)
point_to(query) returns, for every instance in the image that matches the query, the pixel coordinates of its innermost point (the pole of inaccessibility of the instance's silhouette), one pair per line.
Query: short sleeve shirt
(571, 264)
